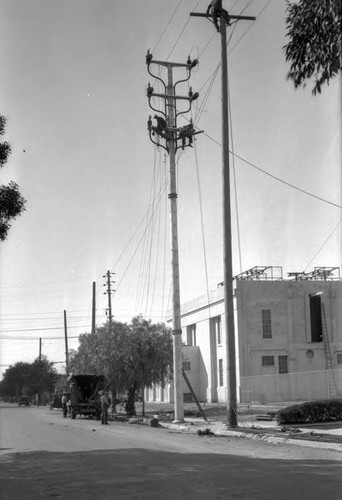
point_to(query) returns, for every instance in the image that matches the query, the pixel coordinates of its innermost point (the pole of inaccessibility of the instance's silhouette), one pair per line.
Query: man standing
(104, 408)
(215, 9)
(64, 405)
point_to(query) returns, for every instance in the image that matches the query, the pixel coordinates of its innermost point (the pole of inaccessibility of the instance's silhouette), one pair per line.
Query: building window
(186, 365)
(282, 360)
(267, 360)
(191, 334)
(187, 397)
(221, 372)
(339, 358)
(316, 319)
(216, 326)
(266, 323)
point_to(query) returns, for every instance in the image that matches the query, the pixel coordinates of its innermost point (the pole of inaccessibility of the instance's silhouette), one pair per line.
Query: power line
(43, 329)
(323, 244)
(16, 337)
(275, 177)
(168, 24)
(40, 313)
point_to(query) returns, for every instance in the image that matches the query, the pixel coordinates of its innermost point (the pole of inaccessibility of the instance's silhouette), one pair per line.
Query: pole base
(178, 421)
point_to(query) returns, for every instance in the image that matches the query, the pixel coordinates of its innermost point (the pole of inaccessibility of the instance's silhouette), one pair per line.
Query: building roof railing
(318, 274)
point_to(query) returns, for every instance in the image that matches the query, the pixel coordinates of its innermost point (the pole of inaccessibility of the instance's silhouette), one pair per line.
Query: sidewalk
(327, 436)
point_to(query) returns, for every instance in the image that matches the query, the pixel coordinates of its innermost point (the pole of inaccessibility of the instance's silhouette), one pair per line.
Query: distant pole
(40, 366)
(93, 323)
(109, 293)
(227, 226)
(66, 344)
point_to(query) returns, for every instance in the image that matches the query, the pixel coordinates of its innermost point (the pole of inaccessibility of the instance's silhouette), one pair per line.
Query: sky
(73, 90)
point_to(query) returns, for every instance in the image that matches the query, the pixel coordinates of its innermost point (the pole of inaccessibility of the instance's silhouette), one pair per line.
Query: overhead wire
(181, 32)
(156, 260)
(234, 176)
(139, 288)
(149, 239)
(274, 176)
(323, 245)
(168, 24)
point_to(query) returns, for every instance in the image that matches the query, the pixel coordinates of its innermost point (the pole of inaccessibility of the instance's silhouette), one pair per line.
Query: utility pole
(168, 136)
(40, 368)
(225, 19)
(66, 344)
(109, 293)
(93, 322)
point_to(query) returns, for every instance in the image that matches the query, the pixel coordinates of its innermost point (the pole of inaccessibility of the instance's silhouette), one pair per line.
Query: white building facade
(288, 347)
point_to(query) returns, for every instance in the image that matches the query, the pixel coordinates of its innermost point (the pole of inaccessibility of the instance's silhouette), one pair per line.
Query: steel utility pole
(168, 136)
(225, 19)
(109, 293)
(66, 344)
(93, 316)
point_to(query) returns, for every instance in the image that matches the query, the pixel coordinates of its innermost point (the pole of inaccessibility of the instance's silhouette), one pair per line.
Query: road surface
(44, 456)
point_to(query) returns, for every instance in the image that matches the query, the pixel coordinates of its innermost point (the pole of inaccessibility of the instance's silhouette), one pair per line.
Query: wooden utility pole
(109, 293)
(227, 226)
(93, 322)
(167, 130)
(66, 344)
(40, 368)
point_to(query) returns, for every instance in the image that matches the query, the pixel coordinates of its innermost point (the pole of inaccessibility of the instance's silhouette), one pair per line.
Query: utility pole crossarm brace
(238, 18)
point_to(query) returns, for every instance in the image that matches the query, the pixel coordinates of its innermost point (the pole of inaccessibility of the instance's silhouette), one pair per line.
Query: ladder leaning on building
(328, 357)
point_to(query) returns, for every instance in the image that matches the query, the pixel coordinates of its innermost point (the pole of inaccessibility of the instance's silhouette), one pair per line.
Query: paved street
(45, 456)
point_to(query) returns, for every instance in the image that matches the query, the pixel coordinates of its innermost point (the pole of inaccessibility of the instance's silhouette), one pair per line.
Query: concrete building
(288, 347)
(290, 336)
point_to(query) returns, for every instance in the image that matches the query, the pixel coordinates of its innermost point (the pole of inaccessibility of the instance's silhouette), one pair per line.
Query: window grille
(267, 360)
(216, 325)
(186, 365)
(283, 368)
(266, 323)
(191, 334)
(221, 372)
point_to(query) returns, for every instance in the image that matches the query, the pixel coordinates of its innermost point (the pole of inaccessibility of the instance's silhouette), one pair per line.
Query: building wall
(197, 312)
(289, 306)
(289, 303)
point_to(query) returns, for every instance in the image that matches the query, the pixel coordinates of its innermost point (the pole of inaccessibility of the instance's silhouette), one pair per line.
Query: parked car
(24, 401)
(56, 402)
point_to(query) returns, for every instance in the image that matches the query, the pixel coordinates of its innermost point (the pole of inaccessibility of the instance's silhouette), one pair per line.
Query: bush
(310, 413)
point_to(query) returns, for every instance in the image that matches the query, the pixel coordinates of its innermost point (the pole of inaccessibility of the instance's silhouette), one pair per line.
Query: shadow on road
(139, 473)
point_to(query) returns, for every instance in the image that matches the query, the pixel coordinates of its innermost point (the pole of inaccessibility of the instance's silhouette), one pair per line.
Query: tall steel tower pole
(176, 310)
(167, 131)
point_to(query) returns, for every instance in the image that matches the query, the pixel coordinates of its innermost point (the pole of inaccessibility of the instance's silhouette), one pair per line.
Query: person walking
(104, 408)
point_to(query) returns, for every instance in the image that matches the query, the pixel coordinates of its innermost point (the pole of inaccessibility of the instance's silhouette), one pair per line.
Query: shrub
(312, 412)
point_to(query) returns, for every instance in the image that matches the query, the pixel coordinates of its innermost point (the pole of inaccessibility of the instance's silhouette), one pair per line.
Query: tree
(130, 356)
(28, 379)
(314, 47)
(12, 204)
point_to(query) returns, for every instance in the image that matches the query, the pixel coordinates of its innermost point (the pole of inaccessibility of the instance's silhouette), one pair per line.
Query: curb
(257, 436)
(285, 440)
